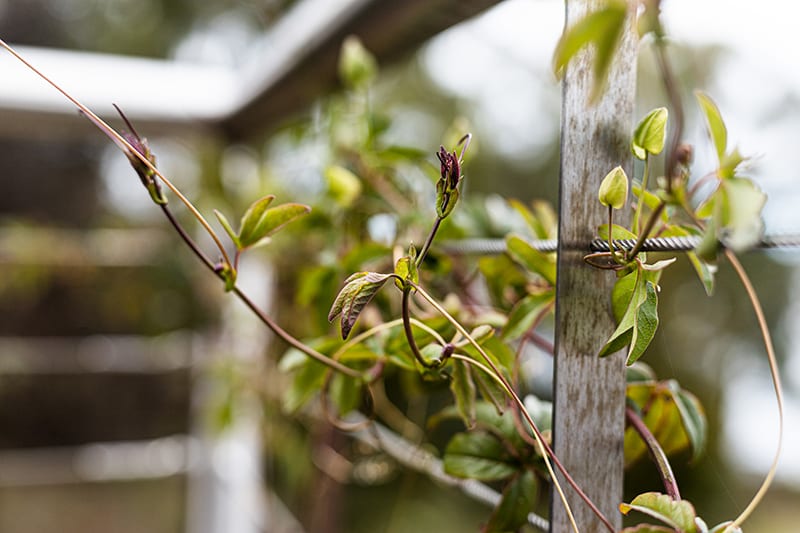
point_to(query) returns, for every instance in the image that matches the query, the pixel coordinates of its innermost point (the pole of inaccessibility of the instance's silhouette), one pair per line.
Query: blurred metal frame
(290, 65)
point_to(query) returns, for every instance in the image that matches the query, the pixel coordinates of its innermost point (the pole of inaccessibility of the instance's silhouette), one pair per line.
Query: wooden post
(589, 392)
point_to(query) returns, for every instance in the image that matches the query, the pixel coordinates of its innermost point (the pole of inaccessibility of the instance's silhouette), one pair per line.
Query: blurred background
(134, 396)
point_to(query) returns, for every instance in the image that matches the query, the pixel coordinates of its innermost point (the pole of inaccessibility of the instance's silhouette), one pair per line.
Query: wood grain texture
(589, 392)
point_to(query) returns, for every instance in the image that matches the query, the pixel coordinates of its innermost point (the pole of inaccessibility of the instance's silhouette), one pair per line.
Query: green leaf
(527, 312)
(547, 217)
(645, 324)
(357, 292)
(649, 199)
(357, 66)
(639, 372)
(252, 216)
(463, 389)
(603, 29)
(491, 392)
(716, 127)
(634, 302)
(306, 382)
(497, 350)
(274, 219)
(679, 515)
(729, 163)
(540, 219)
(480, 334)
(659, 265)
(227, 227)
(626, 297)
(660, 411)
(344, 186)
(648, 138)
(705, 270)
(345, 392)
(742, 225)
(708, 247)
(486, 416)
(406, 270)
(693, 419)
(502, 275)
(617, 232)
(519, 497)
(477, 455)
(531, 259)
(614, 189)
(622, 293)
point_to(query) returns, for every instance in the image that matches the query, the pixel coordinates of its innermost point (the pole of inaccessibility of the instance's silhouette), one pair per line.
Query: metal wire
(655, 244)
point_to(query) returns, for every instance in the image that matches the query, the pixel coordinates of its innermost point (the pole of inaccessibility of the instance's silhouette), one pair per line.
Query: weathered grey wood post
(589, 393)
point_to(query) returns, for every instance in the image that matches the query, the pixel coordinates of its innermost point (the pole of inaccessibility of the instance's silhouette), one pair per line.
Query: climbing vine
(408, 311)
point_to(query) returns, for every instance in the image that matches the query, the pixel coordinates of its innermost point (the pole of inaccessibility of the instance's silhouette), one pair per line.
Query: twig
(265, 318)
(776, 381)
(124, 145)
(656, 452)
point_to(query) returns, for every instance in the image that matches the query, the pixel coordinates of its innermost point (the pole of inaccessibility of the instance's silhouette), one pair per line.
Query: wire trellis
(654, 244)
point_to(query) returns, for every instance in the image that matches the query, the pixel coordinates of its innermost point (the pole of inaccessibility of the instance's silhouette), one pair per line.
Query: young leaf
(742, 225)
(614, 189)
(693, 419)
(227, 227)
(603, 29)
(645, 324)
(477, 455)
(649, 199)
(617, 232)
(491, 392)
(357, 66)
(532, 259)
(705, 270)
(525, 313)
(659, 265)
(648, 138)
(354, 297)
(270, 221)
(716, 127)
(252, 216)
(626, 297)
(708, 247)
(406, 270)
(729, 164)
(679, 515)
(344, 186)
(518, 498)
(463, 389)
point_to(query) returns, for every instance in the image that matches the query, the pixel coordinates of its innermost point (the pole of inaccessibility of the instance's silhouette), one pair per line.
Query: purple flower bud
(450, 168)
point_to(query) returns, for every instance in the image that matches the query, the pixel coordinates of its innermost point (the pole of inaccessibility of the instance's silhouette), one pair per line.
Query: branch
(272, 325)
(656, 452)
